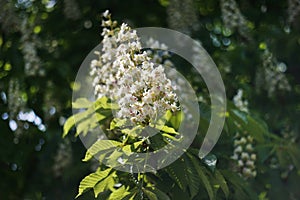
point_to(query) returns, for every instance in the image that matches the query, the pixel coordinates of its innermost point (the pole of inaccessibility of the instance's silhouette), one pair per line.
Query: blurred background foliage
(255, 44)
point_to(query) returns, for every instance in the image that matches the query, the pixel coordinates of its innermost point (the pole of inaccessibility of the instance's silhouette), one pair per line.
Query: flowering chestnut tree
(126, 79)
(136, 103)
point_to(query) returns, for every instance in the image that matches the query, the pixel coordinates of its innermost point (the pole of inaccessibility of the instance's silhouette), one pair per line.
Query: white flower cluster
(271, 77)
(232, 16)
(15, 102)
(293, 10)
(63, 158)
(29, 50)
(244, 155)
(239, 103)
(8, 17)
(71, 9)
(15, 105)
(125, 74)
(182, 16)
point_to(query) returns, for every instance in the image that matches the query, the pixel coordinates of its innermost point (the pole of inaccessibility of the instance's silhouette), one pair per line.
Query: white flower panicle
(71, 9)
(125, 74)
(232, 16)
(239, 103)
(9, 19)
(15, 105)
(29, 49)
(271, 77)
(244, 155)
(182, 16)
(293, 10)
(14, 98)
(63, 158)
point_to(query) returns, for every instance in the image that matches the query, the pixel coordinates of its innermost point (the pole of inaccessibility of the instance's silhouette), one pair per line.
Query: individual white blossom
(244, 155)
(106, 14)
(239, 103)
(125, 74)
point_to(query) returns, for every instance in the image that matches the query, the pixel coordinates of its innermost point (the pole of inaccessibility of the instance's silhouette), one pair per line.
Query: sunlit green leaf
(91, 180)
(119, 193)
(68, 125)
(81, 103)
(105, 184)
(100, 146)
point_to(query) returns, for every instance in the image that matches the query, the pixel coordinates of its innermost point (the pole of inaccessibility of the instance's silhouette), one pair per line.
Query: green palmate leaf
(83, 115)
(160, 195)
(177, 119)
(222, 182)
(150, 194)
(89, 124)
(113, 158)
(133, 132)
(170, 130)
(165, 129)
(88, 119)
(68, 125)
(175, 172)
(131, 196)
(85, 120)
(239, 116)
(101, 146)
(99, 117)
(103, 103)
(168, 115)
(120, 193)
(294, 153)
(256, 129)
(282, 156)
(171, 137)
(82, 103)
(202, 172)
(117, 123)
(91, 180)
(193, 177)
(241, 188)
(128, 149)
(137, 144)
(105, 184)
